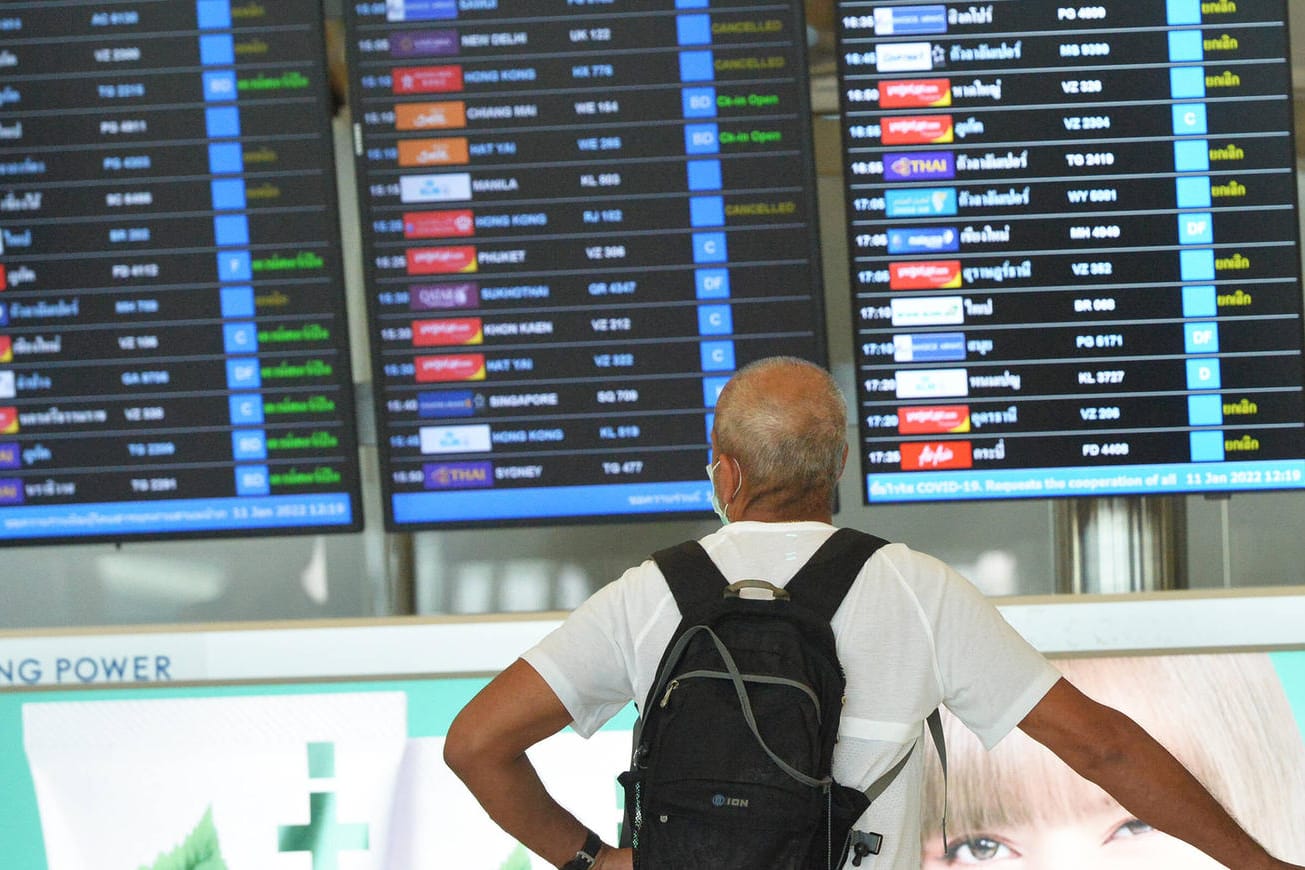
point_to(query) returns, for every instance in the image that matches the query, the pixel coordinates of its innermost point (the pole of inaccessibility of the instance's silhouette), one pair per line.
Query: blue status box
(228, 193)
(219, 86)
(1202, 337)
(213, 14)
(1190, 119)
(1200, 301)
(237, 301)
(235, 266)
(230, 229)
(1196, 265)
(245, 408)
(693, 29)
(217, 49)
(1186, 46)
(1205, 410)
(239, 337)
(1192, 155)
(1207, 445)
(699, 102)
(222, 121)
(1187, 82)
(1183, 11)
(1204, 374)
(707, 211)
(244, 373)
(710, 248)
(701, 139)
(715, 320)
(253, 480)
(247, 444)
(717, 356)
(712, 283)
(226, 158)
(705, 175)
(1196, 228)
(711, 388)
(697, 66)
(1193, 193)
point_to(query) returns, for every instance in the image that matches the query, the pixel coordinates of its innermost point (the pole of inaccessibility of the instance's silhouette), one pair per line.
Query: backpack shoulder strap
(822, 583)
(692, 575)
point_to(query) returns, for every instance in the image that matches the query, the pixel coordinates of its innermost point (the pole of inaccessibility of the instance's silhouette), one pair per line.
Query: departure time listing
(172, 335)
(580, 219)
(1074, 245)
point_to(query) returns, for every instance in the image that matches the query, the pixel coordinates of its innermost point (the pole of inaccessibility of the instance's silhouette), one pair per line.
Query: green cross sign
(324, 836)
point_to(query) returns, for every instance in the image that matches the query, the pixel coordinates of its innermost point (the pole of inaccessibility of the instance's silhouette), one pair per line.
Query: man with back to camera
(911, 634)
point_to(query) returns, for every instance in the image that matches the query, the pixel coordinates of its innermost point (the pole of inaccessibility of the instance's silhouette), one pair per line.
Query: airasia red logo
(453, 330)
(8, 421)
(452, 367)
(439, 224)
(917, 130)
(427, 79)
(915, 94)
(926, 275)
(936, 455)
(933, 420)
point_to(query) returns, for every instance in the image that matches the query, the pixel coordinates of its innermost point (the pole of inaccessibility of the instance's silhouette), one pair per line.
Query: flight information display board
(172, 327)
(1075, 253)
(580, 218)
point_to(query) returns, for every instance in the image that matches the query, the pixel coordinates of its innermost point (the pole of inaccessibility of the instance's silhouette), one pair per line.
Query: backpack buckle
(761, 590)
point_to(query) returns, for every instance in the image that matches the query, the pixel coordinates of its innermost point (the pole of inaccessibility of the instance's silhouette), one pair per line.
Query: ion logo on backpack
(732, 754)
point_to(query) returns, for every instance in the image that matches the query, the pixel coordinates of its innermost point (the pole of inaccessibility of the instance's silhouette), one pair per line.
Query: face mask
(721, 510)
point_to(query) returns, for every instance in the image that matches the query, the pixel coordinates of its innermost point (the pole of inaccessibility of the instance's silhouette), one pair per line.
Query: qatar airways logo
(936, 456)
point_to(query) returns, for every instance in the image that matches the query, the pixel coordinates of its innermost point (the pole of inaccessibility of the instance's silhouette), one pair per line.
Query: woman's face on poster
(1101, 839)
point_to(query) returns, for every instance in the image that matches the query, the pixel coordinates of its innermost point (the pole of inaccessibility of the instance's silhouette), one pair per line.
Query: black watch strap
(588, 854)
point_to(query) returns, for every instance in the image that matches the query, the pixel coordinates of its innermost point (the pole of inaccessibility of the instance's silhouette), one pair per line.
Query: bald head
(785, 422)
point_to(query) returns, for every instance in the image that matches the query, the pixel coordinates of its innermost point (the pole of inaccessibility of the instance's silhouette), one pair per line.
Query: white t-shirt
(911, 634)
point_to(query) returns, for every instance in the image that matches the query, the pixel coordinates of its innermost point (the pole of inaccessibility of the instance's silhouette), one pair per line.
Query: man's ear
(843, 465)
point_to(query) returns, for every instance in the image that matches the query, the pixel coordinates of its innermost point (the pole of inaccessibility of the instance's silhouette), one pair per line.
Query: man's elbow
(464, 747)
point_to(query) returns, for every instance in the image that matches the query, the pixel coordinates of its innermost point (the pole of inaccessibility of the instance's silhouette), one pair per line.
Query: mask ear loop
(739, 469)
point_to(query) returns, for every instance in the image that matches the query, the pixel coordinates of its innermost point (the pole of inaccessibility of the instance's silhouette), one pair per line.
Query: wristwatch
(588, 854)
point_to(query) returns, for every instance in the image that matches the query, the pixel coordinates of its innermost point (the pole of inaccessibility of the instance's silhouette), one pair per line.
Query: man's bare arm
(486, 747)
(1110, 749)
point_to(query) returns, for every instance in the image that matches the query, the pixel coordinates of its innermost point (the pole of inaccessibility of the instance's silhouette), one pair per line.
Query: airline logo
(449, 187)
(904, 57)
(933, 384)
(928, 311)
(6, 349)
(474, 438)
(929, 347)
(458, 475)
(433, 152)
(454, 367)
(915, 94)
(430, 116)
(918, 130)
(424, 43)
(11, 491)
(4, 314)
(420, 10)
(925, 275)
(432, 297)
(925, 240)
(8, 385)
(447, 403)
(920, 202)
(8, 420)
(441, 261)
(9, 457)
(457, 330)
(439, 224)
(936, 456)
(910, 20)
(934, 420)
(918, 166)
(4, 277)
(427, 79)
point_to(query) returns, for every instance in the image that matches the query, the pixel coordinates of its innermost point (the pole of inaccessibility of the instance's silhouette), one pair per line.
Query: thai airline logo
(919, 166)
(472, 438)
(9, 456)
(439, 224)
(918, 130)
(928, 311)
(8, 420)
(8, 385)
(925, 275)
(449, 187)
(936, 456)
(934, 420)
(11, 491)
(932, 384)
(434, 152)
(458, 475)
(456, 330)
(432, 297)
(427, 79)
(4, 277)
(915, 94)
(924, 240)
(4, 314)
(453, 367)
(6, 349)
(430, 116)
(438, 261)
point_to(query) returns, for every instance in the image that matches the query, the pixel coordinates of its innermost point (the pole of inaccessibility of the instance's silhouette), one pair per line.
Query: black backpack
(733, 749)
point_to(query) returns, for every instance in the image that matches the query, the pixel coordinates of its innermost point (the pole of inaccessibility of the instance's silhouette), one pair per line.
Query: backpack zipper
(747, 678)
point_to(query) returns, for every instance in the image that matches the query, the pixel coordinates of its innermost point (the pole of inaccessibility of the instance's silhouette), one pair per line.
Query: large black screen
(172, 334)
(580, 218)
(1075, 259)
